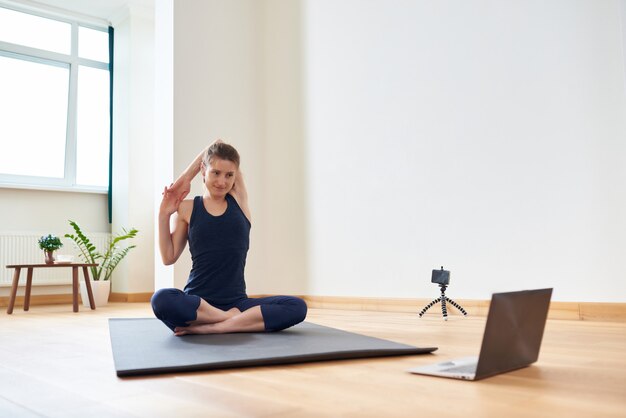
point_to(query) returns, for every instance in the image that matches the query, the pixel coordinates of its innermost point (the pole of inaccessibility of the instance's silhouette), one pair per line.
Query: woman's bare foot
(197, 329)
(208, 314)
(248, 321)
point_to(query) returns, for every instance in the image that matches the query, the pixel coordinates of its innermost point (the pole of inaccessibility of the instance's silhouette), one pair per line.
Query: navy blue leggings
(175, 308)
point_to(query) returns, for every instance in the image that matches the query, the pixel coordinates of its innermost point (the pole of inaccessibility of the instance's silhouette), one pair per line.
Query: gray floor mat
(144, 346)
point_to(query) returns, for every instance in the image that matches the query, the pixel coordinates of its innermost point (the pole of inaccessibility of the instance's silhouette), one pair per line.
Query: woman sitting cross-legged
(217, 227)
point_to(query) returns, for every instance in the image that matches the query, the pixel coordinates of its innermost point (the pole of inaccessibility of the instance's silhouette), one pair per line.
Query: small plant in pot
(49, 244)
(106, 261)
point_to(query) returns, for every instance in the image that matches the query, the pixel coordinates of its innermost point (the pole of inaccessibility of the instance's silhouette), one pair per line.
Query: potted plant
(107, 261)
(49, 244)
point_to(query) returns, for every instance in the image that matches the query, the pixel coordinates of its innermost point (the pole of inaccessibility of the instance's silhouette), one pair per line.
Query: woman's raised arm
(172, 235)
(181, 187)
(240, 193)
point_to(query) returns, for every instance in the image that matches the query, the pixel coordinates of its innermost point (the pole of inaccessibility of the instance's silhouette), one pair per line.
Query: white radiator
(22, 248)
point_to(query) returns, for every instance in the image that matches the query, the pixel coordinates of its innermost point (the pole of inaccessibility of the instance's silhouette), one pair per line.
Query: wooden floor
(55, 363)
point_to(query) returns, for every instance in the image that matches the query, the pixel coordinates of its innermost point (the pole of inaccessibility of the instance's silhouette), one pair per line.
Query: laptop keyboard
(466, 368)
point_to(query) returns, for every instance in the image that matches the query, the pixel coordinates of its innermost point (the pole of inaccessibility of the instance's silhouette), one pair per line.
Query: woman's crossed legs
(190, 314)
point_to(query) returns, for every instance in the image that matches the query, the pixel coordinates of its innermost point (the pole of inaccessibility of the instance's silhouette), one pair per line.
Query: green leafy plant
(111, 257)
(50, 242)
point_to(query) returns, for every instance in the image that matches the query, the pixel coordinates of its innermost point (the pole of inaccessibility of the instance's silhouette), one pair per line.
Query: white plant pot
(101, 290)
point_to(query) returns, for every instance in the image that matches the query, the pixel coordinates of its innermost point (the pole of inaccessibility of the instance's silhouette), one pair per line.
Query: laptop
(511, 340)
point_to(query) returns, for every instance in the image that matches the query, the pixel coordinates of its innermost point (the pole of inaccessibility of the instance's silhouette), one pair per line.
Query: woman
(217, 226)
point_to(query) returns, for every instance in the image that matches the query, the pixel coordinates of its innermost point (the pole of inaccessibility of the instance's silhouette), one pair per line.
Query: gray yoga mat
(144, 346)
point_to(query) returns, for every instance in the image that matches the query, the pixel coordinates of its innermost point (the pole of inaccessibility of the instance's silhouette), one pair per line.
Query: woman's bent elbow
(168, 261)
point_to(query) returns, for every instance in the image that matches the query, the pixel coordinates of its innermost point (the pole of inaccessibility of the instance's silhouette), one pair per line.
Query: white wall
(487, 137)
(217, 94)
(285, 243)
(163, 124)
(26, 210)
(38, 211)
(133, 147)
(237, 76)
(623, 24)
(383, 139)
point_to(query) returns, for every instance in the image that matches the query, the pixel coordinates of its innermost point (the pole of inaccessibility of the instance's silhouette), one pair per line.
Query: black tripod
(443, 299)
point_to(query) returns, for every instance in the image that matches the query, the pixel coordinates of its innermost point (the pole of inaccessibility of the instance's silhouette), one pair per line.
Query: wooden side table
(29, 281)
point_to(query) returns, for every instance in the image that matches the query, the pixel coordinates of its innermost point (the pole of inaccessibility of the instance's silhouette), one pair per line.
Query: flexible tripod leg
(431, 304)
(443, 298)
(444, 311)
(456, 305)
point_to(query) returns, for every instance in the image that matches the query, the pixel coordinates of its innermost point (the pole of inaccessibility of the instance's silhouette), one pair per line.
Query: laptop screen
(514, 331)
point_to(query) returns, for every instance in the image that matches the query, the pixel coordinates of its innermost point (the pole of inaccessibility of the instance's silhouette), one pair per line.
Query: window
(54, 105)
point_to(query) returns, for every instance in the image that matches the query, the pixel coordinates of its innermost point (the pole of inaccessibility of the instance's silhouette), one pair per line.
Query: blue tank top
(219, 246)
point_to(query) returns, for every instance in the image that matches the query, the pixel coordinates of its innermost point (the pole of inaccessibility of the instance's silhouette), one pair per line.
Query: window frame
(68, 182)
